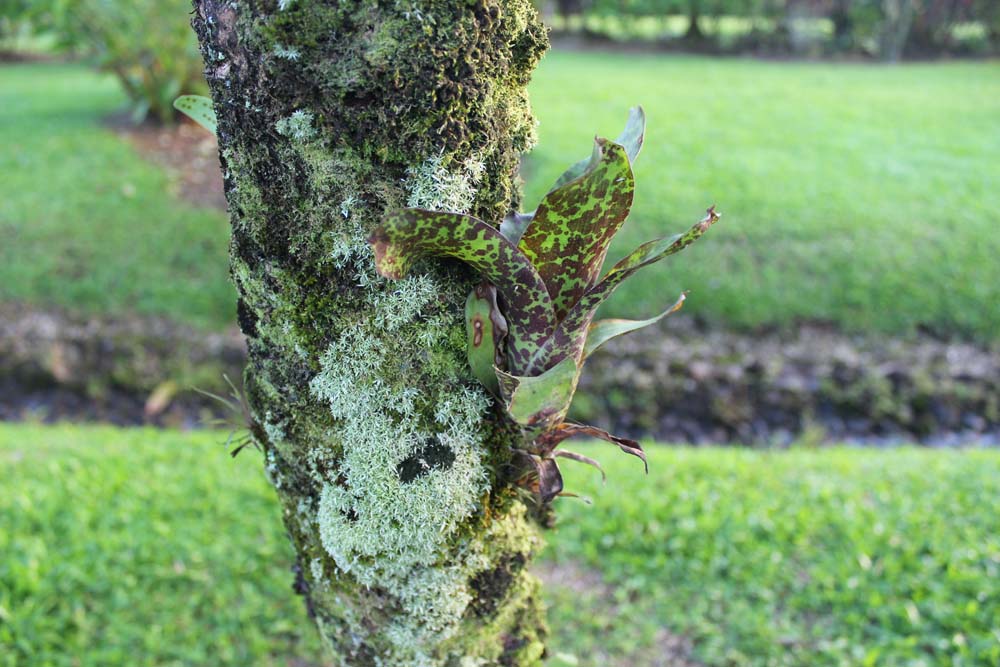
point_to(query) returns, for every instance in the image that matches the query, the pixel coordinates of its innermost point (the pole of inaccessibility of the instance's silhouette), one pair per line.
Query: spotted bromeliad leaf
(530, 323)
(199, 109)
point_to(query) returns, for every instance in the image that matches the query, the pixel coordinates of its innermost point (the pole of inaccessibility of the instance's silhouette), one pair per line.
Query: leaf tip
(388, 263)
(711, 217)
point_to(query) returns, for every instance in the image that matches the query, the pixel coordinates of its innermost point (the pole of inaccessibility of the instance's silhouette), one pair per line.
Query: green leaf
(487, 333)
(569, 236)
(634, 133)
(406, 235)
(631, 139)
(199, 109)
(604, 330)
(513, 226)
(570, 335)
(541, 401)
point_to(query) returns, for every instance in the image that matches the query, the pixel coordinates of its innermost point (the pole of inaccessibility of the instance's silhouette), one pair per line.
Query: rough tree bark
(386, 455)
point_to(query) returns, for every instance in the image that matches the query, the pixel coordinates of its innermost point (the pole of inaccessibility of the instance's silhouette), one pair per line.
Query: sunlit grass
(85, 222)
(861, 195)
(125, 545)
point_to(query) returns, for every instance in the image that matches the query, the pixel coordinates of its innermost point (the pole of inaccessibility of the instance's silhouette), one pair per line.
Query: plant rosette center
(531, 321)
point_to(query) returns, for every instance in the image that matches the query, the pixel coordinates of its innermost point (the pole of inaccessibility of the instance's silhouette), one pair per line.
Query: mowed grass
(863, 195)
(124, 543)
(85, 222)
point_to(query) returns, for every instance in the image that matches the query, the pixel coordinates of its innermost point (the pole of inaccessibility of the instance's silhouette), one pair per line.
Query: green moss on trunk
(387, 456)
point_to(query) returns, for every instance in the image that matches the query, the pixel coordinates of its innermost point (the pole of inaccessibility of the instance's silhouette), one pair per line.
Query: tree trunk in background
(387, 456)
(694, 33)
(843, 24)
(897, 15)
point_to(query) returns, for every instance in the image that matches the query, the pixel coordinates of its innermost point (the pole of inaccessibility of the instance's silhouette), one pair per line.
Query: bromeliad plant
(531, 322)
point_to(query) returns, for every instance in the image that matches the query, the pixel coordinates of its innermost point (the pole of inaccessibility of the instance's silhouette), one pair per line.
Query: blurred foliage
(147, 44)
(119, 543)
(18, 19)
(886, 28)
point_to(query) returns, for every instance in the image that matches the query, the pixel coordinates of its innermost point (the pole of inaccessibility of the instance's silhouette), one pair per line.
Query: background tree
(15, 23)
(144, 43)
(384, 451)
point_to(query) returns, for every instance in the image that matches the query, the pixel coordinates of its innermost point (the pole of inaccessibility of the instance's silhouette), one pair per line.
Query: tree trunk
(897, 15)
(843, 24)
(387, 456)
(694, 32)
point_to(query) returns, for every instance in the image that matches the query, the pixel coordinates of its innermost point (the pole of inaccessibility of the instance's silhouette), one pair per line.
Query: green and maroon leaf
(409, 234)
(602, 331)
(541, 401)
(580, 458)
(631, 139)
(487, 334)
(548, 441)
(570, 335)
(569, 235)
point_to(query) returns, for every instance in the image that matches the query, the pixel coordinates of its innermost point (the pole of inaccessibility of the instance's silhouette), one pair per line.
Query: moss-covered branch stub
(383, 449)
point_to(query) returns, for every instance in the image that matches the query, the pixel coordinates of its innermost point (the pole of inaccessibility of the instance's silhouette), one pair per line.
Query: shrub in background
(147, 44)
(16, 23)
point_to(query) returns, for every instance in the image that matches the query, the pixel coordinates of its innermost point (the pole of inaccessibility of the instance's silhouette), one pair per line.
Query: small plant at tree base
(530, 323)
(237, 418)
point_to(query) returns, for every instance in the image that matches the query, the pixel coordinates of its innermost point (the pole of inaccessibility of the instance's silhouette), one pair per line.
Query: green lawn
(126, 545)
(85, 222)
(859, 194)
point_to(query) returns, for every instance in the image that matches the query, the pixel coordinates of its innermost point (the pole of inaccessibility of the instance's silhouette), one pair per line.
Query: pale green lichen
(432, 186)
(347, 204)
(316, 570)
(272, 471)
(286, 52)
(375, 521)
(275, 429)
(401, 536)
(435, 599)
(346, 244)
(298, 126)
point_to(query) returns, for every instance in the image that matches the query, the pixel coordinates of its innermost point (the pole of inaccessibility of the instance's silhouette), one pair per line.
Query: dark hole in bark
(512, 643)
(246, 318)
(433, 456)
(491, 586)
(301, 587)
